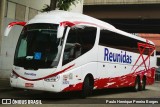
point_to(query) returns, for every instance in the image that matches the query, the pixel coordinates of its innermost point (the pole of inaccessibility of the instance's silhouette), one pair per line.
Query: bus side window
(122, 42)
(79, 41)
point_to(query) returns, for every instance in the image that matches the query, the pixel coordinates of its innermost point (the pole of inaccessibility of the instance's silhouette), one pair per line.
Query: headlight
(52, 79)
(14, 76)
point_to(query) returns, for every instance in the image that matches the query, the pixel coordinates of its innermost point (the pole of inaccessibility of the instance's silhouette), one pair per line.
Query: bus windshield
(38, 47)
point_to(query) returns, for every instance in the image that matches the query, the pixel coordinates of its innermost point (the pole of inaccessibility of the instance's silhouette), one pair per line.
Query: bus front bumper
(36, 85)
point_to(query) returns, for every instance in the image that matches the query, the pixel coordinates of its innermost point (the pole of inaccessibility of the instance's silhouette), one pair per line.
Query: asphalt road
(98, 98)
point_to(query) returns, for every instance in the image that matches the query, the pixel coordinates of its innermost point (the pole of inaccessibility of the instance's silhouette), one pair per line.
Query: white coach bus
(62, 51)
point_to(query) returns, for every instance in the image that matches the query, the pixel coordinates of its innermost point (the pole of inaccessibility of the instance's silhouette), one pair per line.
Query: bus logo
(122, 57)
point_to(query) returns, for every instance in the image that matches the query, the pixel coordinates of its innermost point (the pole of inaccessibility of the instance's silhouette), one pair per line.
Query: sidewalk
(157, 84)
(5, 84)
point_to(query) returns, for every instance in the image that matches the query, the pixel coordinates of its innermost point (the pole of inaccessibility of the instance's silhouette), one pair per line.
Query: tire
(143, 83)
(87, 87)
(137, 86)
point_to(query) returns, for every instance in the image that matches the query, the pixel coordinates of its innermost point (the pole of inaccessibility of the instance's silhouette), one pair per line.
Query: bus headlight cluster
(52, 79)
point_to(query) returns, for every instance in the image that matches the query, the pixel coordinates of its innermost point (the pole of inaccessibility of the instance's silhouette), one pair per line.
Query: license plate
(29, 85)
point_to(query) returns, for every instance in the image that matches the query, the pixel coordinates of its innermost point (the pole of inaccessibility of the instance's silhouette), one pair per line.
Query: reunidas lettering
(117, 57)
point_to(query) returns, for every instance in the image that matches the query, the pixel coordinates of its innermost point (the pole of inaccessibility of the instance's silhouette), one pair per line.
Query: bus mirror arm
(7, 30)
(10, 25)
(62, 26)
(60, 31)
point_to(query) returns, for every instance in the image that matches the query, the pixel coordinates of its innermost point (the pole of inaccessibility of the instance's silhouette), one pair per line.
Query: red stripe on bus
(45, 76)
(144, 46)
(71, 24)
(117, 82)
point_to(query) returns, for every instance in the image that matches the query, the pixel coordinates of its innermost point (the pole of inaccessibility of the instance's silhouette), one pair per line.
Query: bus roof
(58, 16)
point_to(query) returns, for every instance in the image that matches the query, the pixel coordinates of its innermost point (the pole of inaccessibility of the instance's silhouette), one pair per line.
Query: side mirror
(9, 27)
(60, 31)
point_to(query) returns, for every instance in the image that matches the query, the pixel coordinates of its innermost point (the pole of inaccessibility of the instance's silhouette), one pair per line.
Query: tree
(53, 4)
(60, 4)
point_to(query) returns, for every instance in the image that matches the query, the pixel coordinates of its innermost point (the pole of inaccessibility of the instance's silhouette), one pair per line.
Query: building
(133, 16)
(14, 10)
(153, 37)
(18, 10)
(124, 11)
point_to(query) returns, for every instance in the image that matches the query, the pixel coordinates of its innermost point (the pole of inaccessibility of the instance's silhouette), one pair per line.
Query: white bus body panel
(71, 76)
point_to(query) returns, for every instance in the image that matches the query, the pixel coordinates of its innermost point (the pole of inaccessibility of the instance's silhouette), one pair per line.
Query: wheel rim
(87, 87)
(137, 84)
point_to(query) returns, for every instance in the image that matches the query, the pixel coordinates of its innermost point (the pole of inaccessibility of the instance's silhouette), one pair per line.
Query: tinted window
(157, 52)
(38, 47)
(79, 41)
(158, 61)
(118, 41)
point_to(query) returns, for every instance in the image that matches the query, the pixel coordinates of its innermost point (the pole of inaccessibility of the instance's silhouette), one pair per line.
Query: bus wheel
(137, 85)
(87, 87)
(144, 83)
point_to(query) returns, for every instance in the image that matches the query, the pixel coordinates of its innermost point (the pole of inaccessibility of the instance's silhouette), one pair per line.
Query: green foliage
(65, 4)
(61, 5)
(46, 8)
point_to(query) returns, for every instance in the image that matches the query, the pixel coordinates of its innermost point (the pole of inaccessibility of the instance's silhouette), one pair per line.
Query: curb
(157, 81)
(6, 89)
